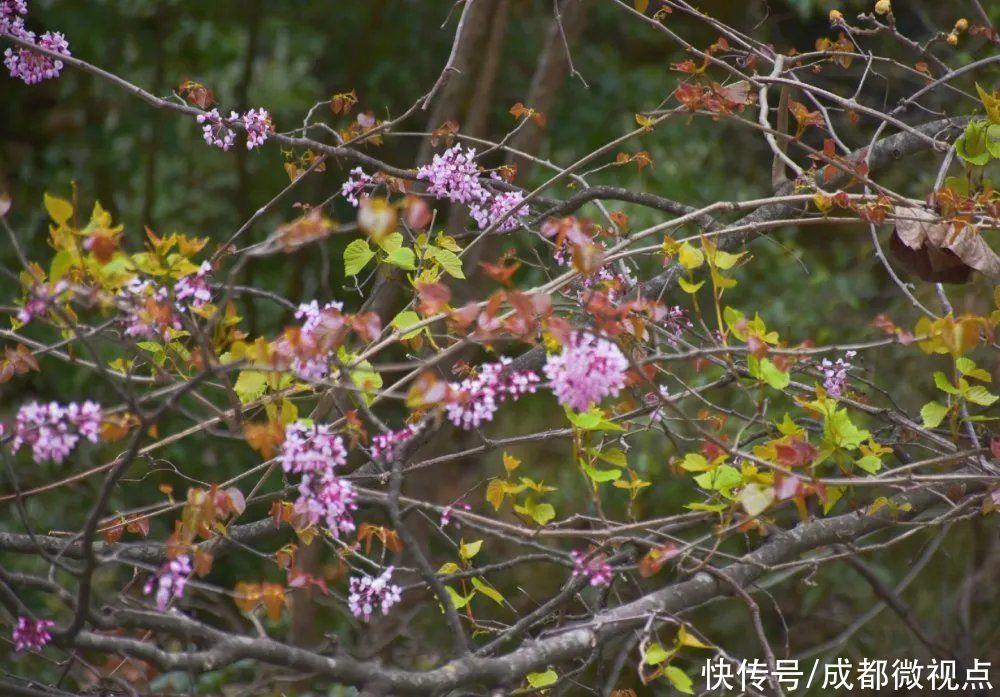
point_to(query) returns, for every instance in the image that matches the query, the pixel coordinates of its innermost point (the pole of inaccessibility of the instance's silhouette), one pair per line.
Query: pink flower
(10, 22)
(30, 66)
(53, 431)
(259, 127)
(146, 309)
(170, 581)
(371, 593)
(315, 451)
(40, 298)
(454, 175)
(589, 369)
(32, 635)
(309, 354)
(216, 130)
(488, 212)
(835, 373)
(195, 287)
(594, 567)
(384, 444)
(448, 510)
(357, 185)
(477, 398)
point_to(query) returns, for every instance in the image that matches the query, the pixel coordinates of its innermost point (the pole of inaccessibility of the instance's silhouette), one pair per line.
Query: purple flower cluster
(169, 581)
(146, 310)
(315, 451)
(454, 175)
(194, 288)
(32, 635)
(371, 593)
(594, 567)
(53, 430)
(357, 185)
(448, 510)
(39, 299)
(835, 373)
(589, 369)
(384, 444)
(30, 66)
(216, 130)
(496, 207)
(310, 359)
(477, 398)
(259, 127)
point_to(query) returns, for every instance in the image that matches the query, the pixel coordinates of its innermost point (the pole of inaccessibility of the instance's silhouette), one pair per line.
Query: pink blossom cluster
(30, 66)
(310, 356)
(146, 310)
(193, 290)
(39, 299)
(498, 206)
(835, 373)
(31, 634)
(216, 130)
(220, 131)
(371, 593)
(449, 510)
(315, 451)
(259, 127)
(170, 581)
(674, 324)
(477, 398)
(358, 184)
(53, 430)
(589, 369)
(384, 444)
(12, 14)
(594, 567)
(454, 175)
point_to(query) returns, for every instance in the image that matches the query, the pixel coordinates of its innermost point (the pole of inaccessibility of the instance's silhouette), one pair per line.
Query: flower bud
(962, 24)
(836, 16)
(883, 7)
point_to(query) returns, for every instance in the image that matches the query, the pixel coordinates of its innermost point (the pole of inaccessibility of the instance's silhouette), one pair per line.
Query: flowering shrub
(402, 455)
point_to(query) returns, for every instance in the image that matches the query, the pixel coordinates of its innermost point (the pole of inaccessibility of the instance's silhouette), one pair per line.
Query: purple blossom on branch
(170, 581)
(194, 288)
(30, 66)
(259, 127)
(357, 185)
(384, 444)
(497, 206)
(594, 567)
(218, 131)
(477, 398)
(53, 430)
(589, 369)
(315, 451)
(454, 175)
(369, 594)
(12, 14)
(30, 634)
(835, 373)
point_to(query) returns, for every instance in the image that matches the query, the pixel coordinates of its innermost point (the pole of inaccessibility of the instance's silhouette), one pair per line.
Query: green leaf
(688, 286)
(404, 320)
(356, 257)
(457, 599)
(723, 478)
(250, 385)
(933, 414)
(686, 638)
(973, 145)
(869, 463)
(542, 513)
(772, 375)
(695, 462)
(591, 420)
(600, 476)
(839, 430)
(679, 679)
(614, 456)
(391, 242)
(545, 679)
(59, 209)
(468, 550)
(656, 654)
(403, 258)
(980, 395)
(487, 590)
(968, 368)
(943, 383)
(448, 261)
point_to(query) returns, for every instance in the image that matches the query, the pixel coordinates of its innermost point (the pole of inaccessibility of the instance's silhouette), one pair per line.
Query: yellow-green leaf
(403, 258)
(679, 679)
(467, 550)
(487, 590)
(495, 492)
(690, 257)
(656, 654)
(250, 385)
(448, 261)
(404, 320)
(686, 638)
(689, 287)
(356, 256)
(60, 210)
(545, 679)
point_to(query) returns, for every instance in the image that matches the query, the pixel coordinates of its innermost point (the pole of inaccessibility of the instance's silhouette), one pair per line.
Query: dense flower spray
(477, 398)
(31, 635)
(454, 175)
(24, 64)
(216, 130)
(315, 451)
(371, 593)
(835, 373)
(595, 568)
(170, 581)
(53, 430)
(589, 369)
(259, 127)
